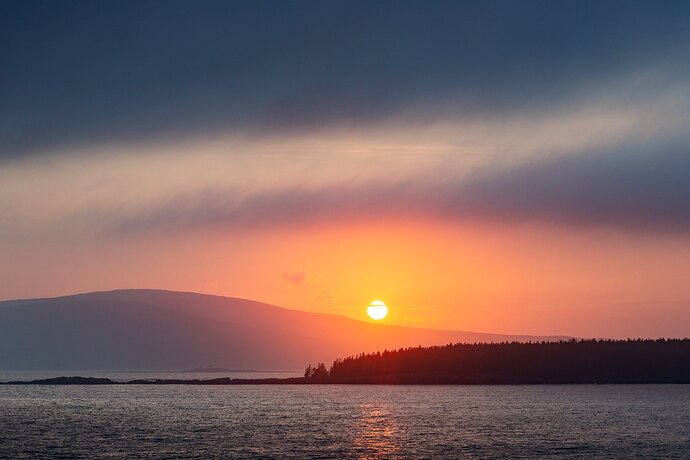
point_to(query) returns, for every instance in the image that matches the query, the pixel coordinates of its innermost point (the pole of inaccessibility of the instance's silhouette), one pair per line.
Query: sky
(491, 166)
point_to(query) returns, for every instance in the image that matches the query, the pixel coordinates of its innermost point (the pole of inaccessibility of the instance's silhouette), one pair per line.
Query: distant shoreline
(382, 380)
(637, 361)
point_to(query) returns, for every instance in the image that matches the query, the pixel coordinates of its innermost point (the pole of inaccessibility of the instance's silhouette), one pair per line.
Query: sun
(377, 310)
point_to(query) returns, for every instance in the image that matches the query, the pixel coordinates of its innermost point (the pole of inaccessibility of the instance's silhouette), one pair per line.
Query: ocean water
(345, 421)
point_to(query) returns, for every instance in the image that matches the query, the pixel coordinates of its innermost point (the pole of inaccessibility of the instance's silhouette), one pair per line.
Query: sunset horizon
(359, 313)
(344, 229)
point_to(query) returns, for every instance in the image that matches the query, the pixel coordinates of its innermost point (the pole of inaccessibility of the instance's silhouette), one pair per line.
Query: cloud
(321, 295)
(85, 73)
(634, 188)
(295, 278)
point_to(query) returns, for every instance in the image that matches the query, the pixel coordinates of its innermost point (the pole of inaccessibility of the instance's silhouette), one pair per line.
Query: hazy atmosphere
(347, 229)
(485, 166)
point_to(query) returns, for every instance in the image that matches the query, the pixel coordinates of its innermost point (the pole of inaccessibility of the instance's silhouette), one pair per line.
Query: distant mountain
(152, 329)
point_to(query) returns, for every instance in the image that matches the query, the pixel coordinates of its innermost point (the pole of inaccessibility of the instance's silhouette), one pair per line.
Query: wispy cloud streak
(625, 190)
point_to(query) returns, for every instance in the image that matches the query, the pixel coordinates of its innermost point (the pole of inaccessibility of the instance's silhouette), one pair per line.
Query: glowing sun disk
(377, 310)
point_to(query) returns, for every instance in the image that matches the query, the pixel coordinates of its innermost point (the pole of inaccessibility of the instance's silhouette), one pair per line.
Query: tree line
(573, 361)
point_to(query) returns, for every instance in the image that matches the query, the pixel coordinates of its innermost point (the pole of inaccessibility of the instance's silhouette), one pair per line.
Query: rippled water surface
(345, 421)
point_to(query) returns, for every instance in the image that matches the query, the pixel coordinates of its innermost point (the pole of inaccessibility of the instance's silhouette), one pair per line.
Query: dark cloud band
(82, 73)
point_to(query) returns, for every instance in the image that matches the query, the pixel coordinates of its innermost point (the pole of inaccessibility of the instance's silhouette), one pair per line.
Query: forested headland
(573, 361)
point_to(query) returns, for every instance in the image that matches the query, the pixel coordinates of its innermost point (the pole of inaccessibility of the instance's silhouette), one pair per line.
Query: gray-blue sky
(85, 73)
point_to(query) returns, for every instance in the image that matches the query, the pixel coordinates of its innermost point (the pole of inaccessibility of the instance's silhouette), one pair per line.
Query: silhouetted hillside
(583, 361)
(149, 329)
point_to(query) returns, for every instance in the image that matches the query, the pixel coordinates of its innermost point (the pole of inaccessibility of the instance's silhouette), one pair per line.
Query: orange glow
(527, 280)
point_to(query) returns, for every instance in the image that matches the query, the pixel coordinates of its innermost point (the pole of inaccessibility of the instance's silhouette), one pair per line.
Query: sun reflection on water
(376, 433)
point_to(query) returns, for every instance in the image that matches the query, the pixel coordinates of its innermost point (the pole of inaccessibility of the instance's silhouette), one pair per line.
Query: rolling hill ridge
(154, 329)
